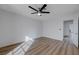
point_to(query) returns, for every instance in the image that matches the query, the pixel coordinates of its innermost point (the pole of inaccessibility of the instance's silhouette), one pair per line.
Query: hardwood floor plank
(64, 49)
(40, 50)
(57, 52)
(69, 50)
(50, 47)
(75, 50)
(53, 49)
(34, 49)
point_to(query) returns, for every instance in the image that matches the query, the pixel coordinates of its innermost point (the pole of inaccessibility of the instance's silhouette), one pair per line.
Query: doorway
(68, 31)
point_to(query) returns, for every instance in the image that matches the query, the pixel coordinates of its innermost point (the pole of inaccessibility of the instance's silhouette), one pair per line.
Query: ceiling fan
(40, 10)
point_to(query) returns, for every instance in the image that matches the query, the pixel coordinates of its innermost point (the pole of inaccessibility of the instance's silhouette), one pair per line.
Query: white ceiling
(55, 9)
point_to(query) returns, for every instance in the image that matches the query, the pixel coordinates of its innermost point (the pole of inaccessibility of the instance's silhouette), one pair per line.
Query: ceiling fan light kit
(39, 14)
(40, 11)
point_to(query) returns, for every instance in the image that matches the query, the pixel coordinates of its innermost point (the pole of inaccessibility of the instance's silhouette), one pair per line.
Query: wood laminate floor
(46, 46)
(7, 49)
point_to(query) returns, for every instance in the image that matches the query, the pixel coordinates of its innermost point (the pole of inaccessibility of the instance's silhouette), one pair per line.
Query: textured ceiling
(55, 9)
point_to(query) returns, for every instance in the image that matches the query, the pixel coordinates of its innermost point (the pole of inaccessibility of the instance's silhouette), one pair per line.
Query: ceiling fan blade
(45, 12)
(34, 13)
(43, 7)
(33, 8)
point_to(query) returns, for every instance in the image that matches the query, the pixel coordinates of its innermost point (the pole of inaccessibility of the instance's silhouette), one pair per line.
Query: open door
(68, 31)
(71, 32)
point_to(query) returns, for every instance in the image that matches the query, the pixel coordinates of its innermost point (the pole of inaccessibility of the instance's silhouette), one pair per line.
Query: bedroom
(24, 33)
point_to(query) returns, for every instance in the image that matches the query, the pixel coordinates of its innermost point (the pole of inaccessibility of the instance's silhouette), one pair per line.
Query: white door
(71, 31)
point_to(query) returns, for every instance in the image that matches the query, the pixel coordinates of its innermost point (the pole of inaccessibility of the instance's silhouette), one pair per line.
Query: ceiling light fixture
(39, 14)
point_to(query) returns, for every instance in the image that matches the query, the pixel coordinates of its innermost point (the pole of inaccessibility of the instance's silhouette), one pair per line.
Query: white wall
(53, 28)
(14, 28)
